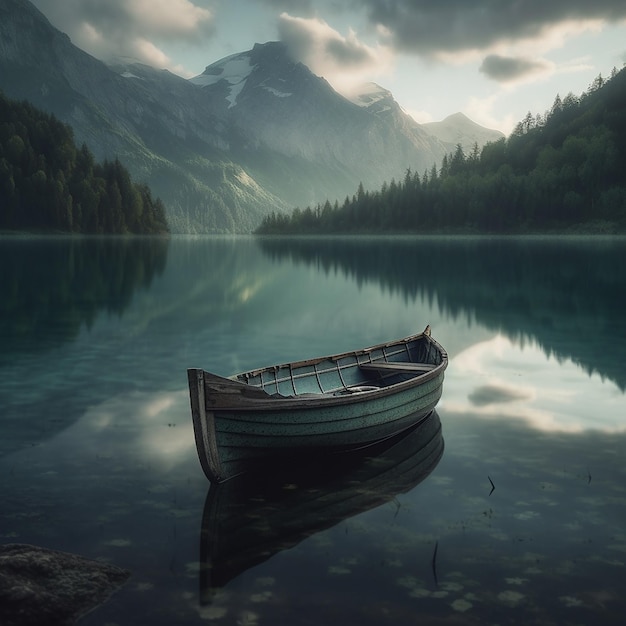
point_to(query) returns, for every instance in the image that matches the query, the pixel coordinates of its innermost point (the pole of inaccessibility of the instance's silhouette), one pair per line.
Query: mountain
(254, 133)
(158, 129)
(380, 102)
(562, 172)
(320, 140)
(459, 129)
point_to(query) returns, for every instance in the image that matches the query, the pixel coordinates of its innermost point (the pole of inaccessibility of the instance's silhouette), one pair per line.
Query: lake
(520, 520)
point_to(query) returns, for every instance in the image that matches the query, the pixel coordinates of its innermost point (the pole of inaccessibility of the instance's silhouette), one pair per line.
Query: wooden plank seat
(397, 366)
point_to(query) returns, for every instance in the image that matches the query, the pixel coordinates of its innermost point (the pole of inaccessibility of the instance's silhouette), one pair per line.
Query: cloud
(302, 7)
(506, 69)
(483, 111)
(343, 60)
(110, 29)
(432, 27)
(420, 116)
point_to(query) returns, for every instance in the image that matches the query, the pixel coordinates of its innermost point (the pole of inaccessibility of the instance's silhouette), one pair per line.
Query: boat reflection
(250, 518)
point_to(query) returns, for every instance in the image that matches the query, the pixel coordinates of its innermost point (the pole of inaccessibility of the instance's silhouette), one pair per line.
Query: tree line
(47, 183)
(560, 171)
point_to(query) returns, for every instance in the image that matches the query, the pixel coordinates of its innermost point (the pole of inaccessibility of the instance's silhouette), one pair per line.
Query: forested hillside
(562, 171)
(49, 184)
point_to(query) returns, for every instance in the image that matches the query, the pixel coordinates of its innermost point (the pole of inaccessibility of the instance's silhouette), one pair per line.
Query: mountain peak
(233, 69)
(458, 117)
(236, 69)
(369, 94)
(270, 47)
(375, 99)
(460, 129)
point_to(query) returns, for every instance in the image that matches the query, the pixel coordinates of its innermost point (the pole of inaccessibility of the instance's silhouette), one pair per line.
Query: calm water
(97, 454)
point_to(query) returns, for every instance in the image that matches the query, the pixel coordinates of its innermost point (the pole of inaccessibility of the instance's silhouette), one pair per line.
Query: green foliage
(48, 184)
(560, 171)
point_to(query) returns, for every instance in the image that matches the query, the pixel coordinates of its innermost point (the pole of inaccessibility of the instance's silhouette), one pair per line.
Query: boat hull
(355, 400)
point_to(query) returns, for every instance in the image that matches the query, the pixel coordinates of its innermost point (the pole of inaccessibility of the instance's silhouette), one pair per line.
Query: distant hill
(562, 171)
(255, 133)
(459, 129)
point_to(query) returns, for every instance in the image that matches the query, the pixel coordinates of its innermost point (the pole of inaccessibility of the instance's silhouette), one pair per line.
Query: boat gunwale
(273, 402)
(336, 357)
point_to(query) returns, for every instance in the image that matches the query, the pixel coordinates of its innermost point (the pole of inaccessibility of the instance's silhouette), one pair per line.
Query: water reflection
(543, 547)
(249, 519)
(562, 293)
(51, 287)
(127, 430)
(503, 380)
(98, 456)
(232, 304)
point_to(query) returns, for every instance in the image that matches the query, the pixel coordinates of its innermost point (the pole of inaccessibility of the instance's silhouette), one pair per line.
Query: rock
(40, 586)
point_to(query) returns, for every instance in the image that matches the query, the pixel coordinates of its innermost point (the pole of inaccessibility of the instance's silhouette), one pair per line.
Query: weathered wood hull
(324, 405)
(249, 519)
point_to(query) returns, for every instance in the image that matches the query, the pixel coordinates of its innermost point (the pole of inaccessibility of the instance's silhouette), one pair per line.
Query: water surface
(525, 508)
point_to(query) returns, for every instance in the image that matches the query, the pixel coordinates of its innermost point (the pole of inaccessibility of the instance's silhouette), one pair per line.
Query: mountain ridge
(460, 129)
(221, 154)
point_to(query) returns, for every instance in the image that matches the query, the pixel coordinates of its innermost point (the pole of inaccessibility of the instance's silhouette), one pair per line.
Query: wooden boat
(319, 406)
(249, 519)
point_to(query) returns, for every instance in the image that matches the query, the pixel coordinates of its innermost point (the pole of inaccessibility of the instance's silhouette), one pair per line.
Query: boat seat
(398, 366)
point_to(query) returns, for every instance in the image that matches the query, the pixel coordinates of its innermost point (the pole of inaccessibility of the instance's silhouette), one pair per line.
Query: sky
(493, 60)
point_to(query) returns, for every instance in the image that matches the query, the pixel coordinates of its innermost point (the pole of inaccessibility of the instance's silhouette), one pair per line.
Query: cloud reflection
(130, 429)
(502, 379)
(493, 394)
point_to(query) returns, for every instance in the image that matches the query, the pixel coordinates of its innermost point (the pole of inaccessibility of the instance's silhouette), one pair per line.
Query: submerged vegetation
(48, 184)
(560, 171)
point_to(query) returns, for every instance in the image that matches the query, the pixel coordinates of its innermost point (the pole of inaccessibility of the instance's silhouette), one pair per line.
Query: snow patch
(234, 69)
(278, 94)
(367, 94)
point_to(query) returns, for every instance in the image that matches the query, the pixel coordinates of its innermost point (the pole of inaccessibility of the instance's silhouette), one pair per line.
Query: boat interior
(358, 372)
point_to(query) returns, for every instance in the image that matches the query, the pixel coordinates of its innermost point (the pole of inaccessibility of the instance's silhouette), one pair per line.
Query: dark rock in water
(40, 586)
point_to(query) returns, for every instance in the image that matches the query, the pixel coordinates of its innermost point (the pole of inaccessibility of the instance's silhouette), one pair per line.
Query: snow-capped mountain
(280, 105)
(255, 132)
(234, 70)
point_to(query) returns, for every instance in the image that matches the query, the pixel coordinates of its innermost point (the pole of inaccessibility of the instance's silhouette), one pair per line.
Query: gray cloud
(342, 59)
(309, 8)
(348, 54)
(134, 28)
(315, 43)
(504, 69)
(301, 7)
(432, 26)
(299, 39)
